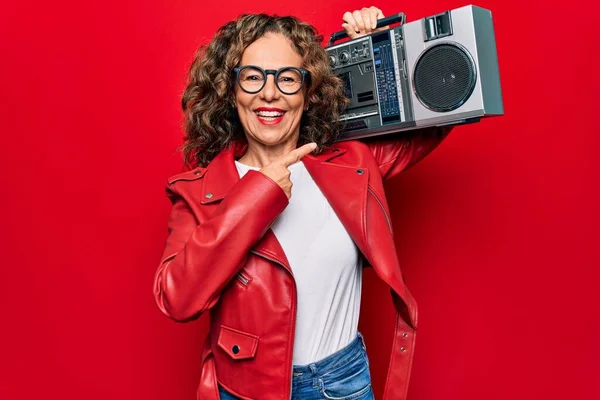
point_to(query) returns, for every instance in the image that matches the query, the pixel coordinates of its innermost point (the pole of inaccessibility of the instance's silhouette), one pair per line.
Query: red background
(497, 230)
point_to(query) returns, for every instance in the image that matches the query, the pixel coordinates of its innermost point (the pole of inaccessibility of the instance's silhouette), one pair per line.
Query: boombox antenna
(392, 19)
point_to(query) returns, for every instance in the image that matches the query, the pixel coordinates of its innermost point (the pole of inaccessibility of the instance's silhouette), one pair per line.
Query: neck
(259, 154)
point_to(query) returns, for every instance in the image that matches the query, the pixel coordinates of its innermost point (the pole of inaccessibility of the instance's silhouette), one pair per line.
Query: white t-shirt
(326, 265)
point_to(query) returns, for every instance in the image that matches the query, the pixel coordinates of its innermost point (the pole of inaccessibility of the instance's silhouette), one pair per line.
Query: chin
(272, 139)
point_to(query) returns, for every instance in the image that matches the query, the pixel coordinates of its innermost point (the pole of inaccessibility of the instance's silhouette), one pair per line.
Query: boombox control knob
(344, 57)
(332, 60)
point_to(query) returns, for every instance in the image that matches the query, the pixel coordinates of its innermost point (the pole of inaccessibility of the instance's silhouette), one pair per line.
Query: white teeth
(272, 114)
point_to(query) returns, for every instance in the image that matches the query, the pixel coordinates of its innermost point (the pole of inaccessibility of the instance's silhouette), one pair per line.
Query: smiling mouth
(269, 115)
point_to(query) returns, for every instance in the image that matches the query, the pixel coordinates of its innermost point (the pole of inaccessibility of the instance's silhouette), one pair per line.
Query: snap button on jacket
(221, 257)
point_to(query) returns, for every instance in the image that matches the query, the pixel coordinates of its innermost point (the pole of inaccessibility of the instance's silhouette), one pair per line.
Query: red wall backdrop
(497, 230)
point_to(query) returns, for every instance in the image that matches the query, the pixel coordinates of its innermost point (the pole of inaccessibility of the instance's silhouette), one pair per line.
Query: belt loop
(362, 339)
(315, 376)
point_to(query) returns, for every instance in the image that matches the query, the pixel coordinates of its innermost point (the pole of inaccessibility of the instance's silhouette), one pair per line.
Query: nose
(269, 92)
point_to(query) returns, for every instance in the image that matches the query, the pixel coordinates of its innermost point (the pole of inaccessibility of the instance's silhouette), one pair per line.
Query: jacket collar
(221, 173)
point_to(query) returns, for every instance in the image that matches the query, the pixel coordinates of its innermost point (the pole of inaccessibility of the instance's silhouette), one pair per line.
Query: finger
(350, 31)
(383, 28)
(359, 20)
(366, 16)
(375, 14)
(349, 19)
(296, 155)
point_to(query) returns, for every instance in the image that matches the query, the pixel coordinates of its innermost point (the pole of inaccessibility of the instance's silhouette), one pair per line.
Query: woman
(280, 267)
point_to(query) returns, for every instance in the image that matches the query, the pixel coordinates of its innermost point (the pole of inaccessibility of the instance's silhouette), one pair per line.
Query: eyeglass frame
(275, 72)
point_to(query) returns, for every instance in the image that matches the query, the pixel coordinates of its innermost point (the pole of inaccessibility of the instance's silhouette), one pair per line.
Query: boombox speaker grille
(444, 77)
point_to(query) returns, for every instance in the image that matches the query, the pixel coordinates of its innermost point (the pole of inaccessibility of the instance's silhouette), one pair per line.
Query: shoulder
(355, 149)
(350, 149)
(350, 144)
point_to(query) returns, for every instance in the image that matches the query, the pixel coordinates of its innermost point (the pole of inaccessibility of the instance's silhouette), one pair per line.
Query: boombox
(440, 70)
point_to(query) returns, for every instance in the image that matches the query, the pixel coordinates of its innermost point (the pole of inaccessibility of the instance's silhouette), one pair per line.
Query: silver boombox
(440, 70)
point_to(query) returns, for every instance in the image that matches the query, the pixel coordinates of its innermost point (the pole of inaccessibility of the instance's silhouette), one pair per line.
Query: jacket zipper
(387, 218)
(293, 322)
(242, 279)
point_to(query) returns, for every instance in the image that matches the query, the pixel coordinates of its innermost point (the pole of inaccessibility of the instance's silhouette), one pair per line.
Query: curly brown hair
(211, 120)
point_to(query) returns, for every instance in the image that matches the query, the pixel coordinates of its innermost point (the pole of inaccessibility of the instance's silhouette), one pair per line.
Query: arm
(201, 258)
(397, 153)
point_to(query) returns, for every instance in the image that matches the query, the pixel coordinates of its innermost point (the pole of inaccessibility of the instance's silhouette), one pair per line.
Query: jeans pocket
(352, 383)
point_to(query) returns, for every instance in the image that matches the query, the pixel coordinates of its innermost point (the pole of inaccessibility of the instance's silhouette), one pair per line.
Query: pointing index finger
(296, 155)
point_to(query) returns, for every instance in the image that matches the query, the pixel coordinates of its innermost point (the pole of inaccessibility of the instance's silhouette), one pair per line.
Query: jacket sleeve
(201, 257)
(397, 153)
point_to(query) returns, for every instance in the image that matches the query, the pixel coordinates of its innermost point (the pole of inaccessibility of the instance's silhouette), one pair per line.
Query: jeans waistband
(333, 361)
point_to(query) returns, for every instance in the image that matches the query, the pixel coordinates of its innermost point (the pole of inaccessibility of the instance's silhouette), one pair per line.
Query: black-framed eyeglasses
(289, 80)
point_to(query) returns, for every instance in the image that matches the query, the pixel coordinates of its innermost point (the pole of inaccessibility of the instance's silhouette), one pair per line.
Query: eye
(252, 77)
(289, 77)
(286, 79)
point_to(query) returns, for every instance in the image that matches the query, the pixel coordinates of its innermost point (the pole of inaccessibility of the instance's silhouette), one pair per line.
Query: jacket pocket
(237, 344)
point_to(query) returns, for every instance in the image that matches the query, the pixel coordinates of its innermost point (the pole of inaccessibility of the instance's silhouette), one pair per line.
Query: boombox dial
(332, 60)
(344, 57)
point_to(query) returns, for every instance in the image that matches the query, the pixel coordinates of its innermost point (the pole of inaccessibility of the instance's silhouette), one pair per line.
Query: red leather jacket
(222, 257)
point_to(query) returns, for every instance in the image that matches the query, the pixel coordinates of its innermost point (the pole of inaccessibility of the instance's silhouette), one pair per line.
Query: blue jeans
(343, 375)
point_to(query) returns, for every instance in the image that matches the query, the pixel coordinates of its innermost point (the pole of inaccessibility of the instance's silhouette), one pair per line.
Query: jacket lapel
(345, 183)
(345, 188)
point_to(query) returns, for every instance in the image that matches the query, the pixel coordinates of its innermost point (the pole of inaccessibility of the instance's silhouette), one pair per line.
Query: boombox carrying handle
(392, 19)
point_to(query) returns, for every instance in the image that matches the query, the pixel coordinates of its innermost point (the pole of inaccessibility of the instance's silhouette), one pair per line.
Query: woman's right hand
(278, 170)
(362, 22)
